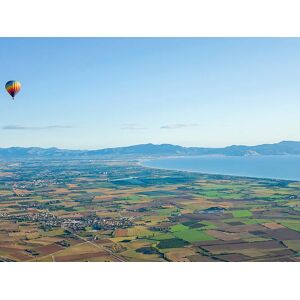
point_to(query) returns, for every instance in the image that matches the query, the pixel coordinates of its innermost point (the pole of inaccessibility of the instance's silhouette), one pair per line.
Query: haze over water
(271, 166)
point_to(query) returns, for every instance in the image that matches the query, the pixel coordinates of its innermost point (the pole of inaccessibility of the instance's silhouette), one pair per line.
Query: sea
(285, 167)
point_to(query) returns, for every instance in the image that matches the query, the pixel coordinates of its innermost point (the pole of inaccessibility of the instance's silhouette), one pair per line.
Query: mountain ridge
(152, 150)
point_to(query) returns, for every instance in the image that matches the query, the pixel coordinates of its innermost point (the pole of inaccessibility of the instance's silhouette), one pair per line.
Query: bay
(269, 166)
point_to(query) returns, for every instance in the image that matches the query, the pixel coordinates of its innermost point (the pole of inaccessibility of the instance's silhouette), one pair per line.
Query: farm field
(95, 210)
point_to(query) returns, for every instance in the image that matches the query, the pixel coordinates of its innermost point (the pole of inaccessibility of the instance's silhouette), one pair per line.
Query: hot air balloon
(13, 87)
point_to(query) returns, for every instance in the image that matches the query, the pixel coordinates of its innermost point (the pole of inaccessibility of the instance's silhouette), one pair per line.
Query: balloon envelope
(13, 87)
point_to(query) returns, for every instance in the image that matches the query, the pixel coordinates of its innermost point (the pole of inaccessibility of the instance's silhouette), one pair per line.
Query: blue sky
(96, 93)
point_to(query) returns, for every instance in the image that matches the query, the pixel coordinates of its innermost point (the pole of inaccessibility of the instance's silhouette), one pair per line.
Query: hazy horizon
(94, 93)
(130, 145)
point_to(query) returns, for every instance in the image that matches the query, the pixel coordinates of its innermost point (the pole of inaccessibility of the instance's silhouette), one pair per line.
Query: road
(101, 247)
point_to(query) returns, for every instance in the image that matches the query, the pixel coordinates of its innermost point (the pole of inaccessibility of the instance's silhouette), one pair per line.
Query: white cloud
(19, 127)
(178, 126)
(133, 126)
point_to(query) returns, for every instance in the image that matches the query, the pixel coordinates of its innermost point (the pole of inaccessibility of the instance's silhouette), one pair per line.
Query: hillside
(151, 150)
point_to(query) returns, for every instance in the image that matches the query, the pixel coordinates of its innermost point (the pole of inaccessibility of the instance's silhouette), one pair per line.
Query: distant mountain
(151, 150)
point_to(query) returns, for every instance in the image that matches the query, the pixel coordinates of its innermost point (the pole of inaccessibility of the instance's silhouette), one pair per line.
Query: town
(102, 210)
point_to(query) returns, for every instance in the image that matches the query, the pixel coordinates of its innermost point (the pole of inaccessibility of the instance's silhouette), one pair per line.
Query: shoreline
(141, 161)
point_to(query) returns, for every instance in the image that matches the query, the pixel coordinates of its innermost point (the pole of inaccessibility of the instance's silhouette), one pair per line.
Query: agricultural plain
(92, 210)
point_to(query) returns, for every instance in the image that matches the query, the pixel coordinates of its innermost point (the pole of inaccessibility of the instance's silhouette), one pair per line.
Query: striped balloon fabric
(13, 87)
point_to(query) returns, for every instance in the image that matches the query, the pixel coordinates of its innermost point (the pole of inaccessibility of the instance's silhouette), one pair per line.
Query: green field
(242, 213)
(295, 225)
(96, 210)
(193, 235)
(178, 227)
(171, 243)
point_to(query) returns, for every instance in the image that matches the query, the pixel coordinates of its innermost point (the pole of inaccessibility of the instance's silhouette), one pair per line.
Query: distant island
(151, 150)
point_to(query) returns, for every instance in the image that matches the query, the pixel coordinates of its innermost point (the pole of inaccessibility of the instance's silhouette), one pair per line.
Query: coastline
(140, 162)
